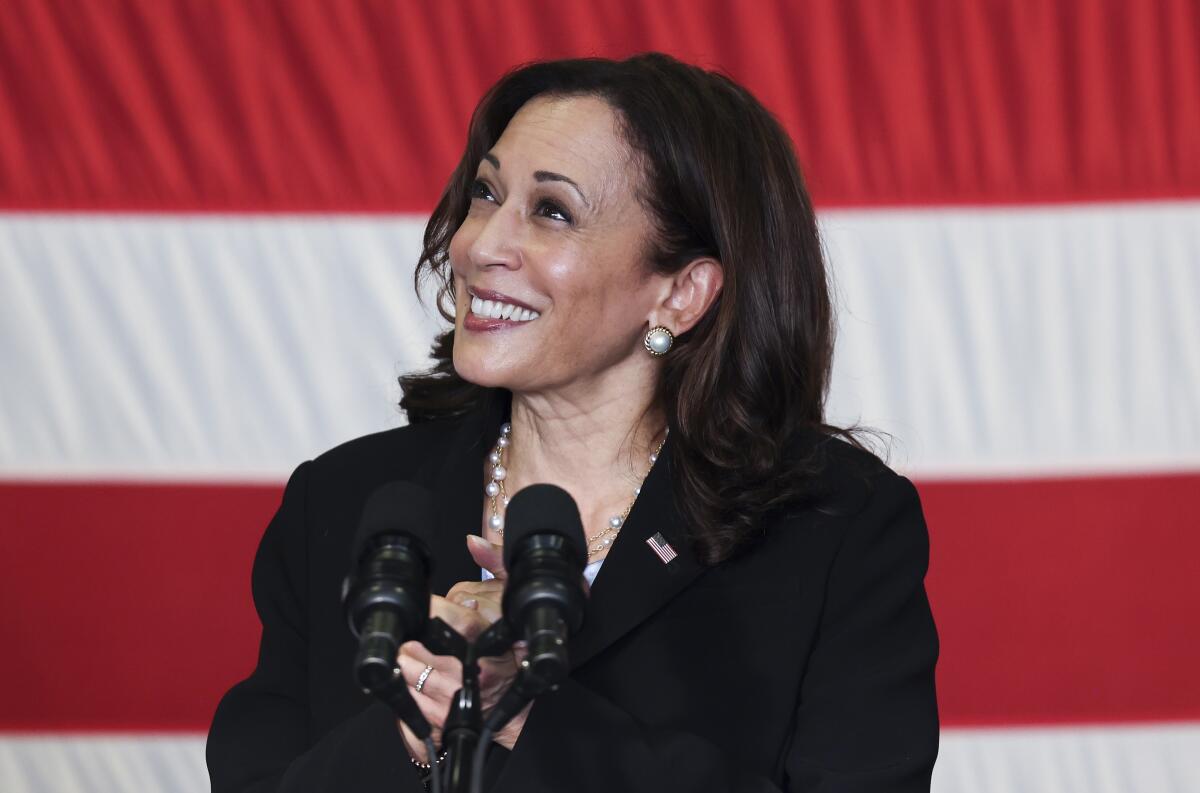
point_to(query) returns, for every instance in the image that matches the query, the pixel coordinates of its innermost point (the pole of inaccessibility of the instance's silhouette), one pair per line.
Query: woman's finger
(421, 653)
(466, 601)
(484, 597)
(466, 621)
(488, 608)
(439, 685)
(487, 555)
(492, 588)
(430, 700)
(435, 713)
(448, 668)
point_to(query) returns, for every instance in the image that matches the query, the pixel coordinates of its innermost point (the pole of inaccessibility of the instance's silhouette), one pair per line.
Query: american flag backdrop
(209, 216)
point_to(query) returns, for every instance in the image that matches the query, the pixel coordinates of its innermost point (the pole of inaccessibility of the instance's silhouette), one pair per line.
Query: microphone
(544, 553)
(386, 594)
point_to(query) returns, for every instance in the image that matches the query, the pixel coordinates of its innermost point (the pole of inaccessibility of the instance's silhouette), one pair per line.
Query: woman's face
(555, 244)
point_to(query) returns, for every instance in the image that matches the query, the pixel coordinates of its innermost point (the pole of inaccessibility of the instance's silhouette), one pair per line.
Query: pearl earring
(659, 340)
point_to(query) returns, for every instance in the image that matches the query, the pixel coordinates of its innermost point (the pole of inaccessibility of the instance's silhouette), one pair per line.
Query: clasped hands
(470, 607)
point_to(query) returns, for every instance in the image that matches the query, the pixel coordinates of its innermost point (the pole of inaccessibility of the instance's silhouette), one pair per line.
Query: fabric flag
(209, 217)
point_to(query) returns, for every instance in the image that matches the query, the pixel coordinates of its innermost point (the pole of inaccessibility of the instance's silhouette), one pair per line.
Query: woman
(641, 316)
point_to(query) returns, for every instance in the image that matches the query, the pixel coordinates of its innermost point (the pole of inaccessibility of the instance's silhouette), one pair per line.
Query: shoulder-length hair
(720, 180)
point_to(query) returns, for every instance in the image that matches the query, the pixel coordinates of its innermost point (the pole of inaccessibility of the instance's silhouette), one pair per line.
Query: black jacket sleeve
(259, 740)
(867, 719)
(867, 716)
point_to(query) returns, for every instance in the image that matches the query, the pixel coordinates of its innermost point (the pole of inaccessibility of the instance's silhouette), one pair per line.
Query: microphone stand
(528, 684)
(464, 723)
(465, 736)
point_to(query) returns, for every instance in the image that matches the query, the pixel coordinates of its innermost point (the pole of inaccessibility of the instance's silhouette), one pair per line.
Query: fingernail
(522, 644)
(469, 603)
(477, 541)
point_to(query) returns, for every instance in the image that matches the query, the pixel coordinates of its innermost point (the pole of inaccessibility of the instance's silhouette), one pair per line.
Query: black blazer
(803, 664)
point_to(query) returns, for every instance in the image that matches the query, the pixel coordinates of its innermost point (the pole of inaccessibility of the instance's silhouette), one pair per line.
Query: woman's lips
(496, 297)
(488, 310)
(477, 323)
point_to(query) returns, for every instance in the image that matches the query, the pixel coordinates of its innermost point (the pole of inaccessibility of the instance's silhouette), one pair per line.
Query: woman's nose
(498, 240)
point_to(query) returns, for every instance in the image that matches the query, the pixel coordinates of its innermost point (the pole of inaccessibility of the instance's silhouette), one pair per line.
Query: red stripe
(128, 607)
(125, 606)
(315, 106)
(1066, 600)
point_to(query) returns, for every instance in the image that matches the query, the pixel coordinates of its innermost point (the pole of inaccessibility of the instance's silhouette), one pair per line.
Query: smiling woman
(640, 316)
(533, 238)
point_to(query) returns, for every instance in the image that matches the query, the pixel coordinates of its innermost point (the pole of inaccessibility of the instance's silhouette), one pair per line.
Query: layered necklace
(497, 495)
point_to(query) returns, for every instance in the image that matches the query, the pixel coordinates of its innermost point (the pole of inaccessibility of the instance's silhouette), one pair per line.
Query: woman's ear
(693, 291)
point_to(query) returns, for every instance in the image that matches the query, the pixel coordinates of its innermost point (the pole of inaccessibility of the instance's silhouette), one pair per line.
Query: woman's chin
(481, 371)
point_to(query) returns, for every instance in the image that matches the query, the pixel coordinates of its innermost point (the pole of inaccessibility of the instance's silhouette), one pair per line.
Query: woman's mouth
(493, 311)
(496, 309)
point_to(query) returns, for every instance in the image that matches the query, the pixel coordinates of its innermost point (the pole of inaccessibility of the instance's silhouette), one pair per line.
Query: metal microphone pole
(461, 732)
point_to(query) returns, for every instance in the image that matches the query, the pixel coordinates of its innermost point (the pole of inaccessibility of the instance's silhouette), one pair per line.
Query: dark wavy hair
(720, 180)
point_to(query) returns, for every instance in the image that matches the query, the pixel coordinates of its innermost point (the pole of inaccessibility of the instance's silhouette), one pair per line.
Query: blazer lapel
(458, 493)
(634, 581)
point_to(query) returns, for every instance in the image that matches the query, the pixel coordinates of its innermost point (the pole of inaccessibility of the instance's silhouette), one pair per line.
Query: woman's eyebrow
(545, 176)
(551, 176)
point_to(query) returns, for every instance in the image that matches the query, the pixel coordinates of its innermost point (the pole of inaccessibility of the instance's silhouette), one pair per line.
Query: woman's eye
(480, 190)
(551, 210)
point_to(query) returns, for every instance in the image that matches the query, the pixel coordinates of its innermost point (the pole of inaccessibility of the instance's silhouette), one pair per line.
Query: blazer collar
(632, 584)
(458, 489)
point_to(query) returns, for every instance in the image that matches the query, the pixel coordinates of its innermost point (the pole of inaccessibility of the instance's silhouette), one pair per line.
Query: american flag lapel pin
(661, 547)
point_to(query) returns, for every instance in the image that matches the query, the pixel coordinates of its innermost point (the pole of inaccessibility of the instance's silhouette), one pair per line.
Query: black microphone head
(543, 509)
(386, 593)
(394, 508)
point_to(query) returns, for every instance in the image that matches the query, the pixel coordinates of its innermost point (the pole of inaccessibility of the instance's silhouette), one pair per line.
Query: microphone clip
(464, 723)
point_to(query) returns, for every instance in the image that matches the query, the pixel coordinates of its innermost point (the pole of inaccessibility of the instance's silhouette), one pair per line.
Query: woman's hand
(470, 607)
(495, 674)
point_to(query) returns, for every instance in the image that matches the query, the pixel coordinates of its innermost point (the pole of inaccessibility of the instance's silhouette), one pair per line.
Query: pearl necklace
(495, 492)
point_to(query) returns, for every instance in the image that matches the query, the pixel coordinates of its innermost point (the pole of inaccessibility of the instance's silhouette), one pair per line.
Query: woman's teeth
(494, 309)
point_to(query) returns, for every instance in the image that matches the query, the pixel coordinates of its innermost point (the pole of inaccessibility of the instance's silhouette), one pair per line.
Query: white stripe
(1107, 759)
(987, 341)
(102, 764)
(1022, 341)
(200, 347)
(1111, 759)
